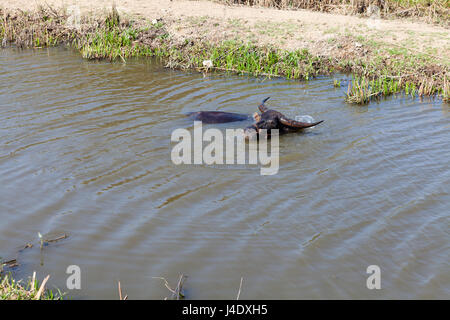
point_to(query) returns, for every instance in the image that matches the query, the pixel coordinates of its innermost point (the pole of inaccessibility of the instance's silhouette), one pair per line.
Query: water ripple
(368, 186)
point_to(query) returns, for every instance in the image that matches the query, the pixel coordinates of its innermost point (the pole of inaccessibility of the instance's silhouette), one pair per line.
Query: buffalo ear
(262, 107)
(297, 124)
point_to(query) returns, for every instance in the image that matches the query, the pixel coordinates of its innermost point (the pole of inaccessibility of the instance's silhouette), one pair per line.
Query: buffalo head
(271, 119)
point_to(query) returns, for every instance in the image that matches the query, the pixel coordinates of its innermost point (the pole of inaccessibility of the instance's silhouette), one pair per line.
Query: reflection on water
(85, 150)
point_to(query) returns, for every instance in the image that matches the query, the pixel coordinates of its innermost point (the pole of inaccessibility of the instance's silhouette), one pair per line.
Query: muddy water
(85, 150)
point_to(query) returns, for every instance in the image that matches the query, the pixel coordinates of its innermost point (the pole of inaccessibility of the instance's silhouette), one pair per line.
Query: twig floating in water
(11, 263)
(64, 236)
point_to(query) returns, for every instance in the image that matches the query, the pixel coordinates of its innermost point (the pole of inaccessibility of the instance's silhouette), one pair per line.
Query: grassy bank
(435, 11)
(377, 70)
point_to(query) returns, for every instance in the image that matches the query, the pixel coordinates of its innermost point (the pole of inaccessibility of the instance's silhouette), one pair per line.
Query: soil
(322, 34)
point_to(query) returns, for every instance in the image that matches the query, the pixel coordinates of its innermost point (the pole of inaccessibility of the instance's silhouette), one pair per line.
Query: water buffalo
(268, 119)
(218, 116)
(271, 119)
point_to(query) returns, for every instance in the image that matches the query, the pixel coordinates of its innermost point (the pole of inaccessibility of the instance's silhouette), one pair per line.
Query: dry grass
(437, 11)
(177, 293)
(446, 90)
(11, 289)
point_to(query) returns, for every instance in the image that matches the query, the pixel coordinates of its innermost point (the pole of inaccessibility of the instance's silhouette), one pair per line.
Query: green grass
(110, 44)
(233, 56)
(246, 58)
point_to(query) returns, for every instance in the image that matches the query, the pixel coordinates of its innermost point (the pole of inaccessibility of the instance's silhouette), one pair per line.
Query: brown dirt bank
(398, 49)
(431, 11)
(286, 28)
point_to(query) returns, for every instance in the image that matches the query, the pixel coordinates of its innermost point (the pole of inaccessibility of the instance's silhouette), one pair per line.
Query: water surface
(85, 150)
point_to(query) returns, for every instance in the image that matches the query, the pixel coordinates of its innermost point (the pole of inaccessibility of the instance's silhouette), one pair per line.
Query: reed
(358, 91)
(11, 289)
(446, 91)
(336, 83)
(362, 90)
